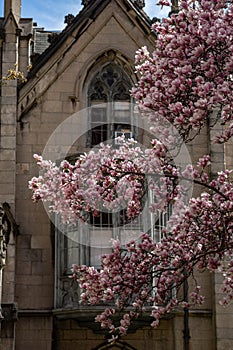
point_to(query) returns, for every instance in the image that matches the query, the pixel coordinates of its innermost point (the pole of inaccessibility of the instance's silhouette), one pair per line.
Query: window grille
(85, 243)
(110, 115)
(111, 111)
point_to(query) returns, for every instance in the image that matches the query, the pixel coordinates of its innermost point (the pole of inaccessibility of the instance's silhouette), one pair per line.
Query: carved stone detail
(7, 226)
(85, 2)
(140, 3)
(68, 293)
(69, 19)
(53, 36)
(9, 312)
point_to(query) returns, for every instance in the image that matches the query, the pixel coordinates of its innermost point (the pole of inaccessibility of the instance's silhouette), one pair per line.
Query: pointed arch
(118, 345)
(108, 80)
(91, 68)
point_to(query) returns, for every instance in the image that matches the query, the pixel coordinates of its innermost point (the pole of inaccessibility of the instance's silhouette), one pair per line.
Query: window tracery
(108, 90)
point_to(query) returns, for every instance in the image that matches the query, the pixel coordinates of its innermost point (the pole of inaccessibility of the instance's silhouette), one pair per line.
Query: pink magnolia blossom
(187, 83)
(189, 75)
(198, 234)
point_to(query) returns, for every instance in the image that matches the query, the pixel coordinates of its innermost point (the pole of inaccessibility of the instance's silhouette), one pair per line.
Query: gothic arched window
(111, 114)
(109, 101)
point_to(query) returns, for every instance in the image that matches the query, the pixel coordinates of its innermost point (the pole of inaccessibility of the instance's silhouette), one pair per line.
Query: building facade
(76, 96)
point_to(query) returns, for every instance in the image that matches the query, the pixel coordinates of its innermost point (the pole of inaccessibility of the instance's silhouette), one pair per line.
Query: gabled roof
(96, 16)
(90, 11)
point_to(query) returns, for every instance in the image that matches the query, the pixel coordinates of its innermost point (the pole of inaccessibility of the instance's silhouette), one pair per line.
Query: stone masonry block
(6, 154)
(38, 333)
(34, 299)
(46, 255)
(41, 237)
(8, 130)
(24, 268)
(8, 142)
(39, 268)
(224, 344)
(48, 281)
(74, 334)
(30, 138)
(6, 188)
(34, 280)
(53, 96)
(29, 254)
(36, 344)
(224, 321)
(41, 323)
(8, 165)
(52, 106)
(9, 198)
(9, 91)
(24, 241)
(22, 168)
(8, 109)
(7, 177)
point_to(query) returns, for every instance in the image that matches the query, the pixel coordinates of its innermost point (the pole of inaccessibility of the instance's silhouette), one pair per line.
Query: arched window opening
(111, 113)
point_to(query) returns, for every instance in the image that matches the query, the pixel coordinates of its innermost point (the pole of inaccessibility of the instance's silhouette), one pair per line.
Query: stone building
(89, 67)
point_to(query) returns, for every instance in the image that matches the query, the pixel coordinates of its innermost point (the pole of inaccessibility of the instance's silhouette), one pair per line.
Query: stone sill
(85, 316)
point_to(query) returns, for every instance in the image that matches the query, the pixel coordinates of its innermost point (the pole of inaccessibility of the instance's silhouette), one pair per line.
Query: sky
(50, 13)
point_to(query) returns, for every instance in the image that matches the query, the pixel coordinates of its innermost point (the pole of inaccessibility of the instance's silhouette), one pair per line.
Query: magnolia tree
(184, 85)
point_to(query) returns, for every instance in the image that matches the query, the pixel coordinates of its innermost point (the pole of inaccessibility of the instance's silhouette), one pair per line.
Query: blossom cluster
(188, 77)
(149, 274)
(108, 179)
(184, 84)
(198, 235)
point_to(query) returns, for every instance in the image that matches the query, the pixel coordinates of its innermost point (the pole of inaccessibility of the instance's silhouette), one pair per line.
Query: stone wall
(52, 95)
